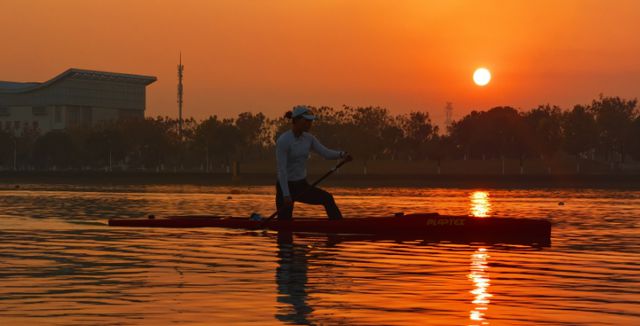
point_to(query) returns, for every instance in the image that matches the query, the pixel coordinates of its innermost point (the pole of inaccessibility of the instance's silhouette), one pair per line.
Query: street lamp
(15, 150)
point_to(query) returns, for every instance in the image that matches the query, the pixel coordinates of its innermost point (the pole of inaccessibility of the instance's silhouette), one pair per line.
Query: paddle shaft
(334, 169)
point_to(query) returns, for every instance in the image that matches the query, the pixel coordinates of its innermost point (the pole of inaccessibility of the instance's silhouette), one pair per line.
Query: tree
(6, 149)
(365, 126)
(505, 132)
(418, 130)
(614, 117)
(634, 140)
(253, 132)
(329, 127)
(580, 132)
(54, 149)
(105, 146)
(278, 127)
(438, 148)
(151, 141)
(217, 140)
(496, 133)
(393, 141)
(544, 130)
(462, 134)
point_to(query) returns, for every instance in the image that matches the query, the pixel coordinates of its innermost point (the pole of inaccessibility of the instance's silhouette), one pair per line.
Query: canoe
(426, 226)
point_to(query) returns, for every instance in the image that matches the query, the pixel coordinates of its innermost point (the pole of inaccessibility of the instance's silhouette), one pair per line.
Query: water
(60, 264)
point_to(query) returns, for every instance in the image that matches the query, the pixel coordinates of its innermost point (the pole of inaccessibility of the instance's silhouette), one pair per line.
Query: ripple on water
(62, 265)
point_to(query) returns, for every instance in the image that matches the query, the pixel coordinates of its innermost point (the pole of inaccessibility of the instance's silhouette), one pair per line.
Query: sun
(482, 76)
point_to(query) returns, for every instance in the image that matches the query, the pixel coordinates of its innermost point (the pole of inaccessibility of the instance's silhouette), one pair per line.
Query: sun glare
(480, 278)
(480, 204)
(482, 76)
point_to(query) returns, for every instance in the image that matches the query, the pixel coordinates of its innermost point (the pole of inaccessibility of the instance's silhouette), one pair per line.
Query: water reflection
(291, 278)
(480, 205)
(67, 273)
(480, 278)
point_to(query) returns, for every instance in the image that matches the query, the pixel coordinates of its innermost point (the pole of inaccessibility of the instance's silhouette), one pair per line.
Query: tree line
(607, 129)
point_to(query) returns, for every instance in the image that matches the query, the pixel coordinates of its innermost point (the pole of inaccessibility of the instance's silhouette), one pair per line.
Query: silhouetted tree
(418, 130)
(329, 126)
(496, 133)
(580, 132)
(25, 148)
(6, 149)
(393, 141)
(216, 140)
(253, 133)
(544, 130)
(634, 139)
(438, 148)
(150, 141)
(54, 150)
(106, 146)
(609, 125)
(462, 134)
(614, 117)
(365, 126)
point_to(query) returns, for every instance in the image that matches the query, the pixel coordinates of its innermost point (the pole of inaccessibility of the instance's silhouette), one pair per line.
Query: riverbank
(622, 181)
(557, 173)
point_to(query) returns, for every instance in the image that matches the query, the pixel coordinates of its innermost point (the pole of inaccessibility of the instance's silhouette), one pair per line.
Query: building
(76, 97)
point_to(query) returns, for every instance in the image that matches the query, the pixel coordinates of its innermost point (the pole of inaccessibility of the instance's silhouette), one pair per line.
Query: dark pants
(303, 192)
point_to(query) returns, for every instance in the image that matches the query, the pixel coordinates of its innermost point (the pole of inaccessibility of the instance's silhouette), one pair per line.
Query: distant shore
(624, 181)
(559, 173)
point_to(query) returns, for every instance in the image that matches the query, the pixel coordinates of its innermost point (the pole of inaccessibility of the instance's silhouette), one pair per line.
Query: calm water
(60, 264)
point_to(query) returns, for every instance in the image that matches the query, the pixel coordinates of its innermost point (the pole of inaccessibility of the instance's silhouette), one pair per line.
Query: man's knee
(328, 198)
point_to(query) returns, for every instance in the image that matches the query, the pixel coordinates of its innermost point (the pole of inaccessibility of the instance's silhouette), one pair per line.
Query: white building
(74, 98)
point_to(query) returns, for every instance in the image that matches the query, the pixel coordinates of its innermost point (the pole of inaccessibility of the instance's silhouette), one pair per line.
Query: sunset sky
(270, 55)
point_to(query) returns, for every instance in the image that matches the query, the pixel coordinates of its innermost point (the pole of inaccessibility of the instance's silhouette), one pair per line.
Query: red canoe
(431, 226)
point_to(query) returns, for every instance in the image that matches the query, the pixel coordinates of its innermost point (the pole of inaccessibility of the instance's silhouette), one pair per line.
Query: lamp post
(15, 151)
(109, 145)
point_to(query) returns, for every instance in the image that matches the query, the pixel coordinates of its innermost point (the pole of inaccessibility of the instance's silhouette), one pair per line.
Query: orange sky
(270, 55)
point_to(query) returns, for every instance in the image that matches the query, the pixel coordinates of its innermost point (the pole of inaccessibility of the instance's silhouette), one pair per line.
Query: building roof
(74, 73)
(14, 85)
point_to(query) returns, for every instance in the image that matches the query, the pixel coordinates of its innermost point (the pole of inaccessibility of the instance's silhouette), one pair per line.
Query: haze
(270, 55)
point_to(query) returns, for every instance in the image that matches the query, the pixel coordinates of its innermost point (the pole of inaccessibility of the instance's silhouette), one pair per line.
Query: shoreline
(621, 181)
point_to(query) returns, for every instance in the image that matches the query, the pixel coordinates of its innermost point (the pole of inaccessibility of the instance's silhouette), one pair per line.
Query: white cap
(304, 111)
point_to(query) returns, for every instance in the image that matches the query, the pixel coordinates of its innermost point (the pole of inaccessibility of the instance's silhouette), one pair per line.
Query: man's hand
(347, 157)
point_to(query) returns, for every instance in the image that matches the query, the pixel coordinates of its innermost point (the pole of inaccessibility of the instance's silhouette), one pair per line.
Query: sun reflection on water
(480, 205)
(480, 278)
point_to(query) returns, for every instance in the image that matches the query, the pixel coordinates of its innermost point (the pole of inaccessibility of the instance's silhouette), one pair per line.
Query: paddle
(334, 169)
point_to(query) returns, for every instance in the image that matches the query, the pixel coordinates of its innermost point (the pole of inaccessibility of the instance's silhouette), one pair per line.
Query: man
(292, 152)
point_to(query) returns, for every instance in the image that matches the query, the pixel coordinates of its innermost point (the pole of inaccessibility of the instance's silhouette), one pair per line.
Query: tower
(448, 110)
(180, 71)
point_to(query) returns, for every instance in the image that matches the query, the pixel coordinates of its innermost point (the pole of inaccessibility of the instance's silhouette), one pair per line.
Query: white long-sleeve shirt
(292, 153)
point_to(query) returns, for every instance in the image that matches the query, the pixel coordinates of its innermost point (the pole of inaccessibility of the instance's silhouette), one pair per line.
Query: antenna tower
(180, 71)
(448, 110)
